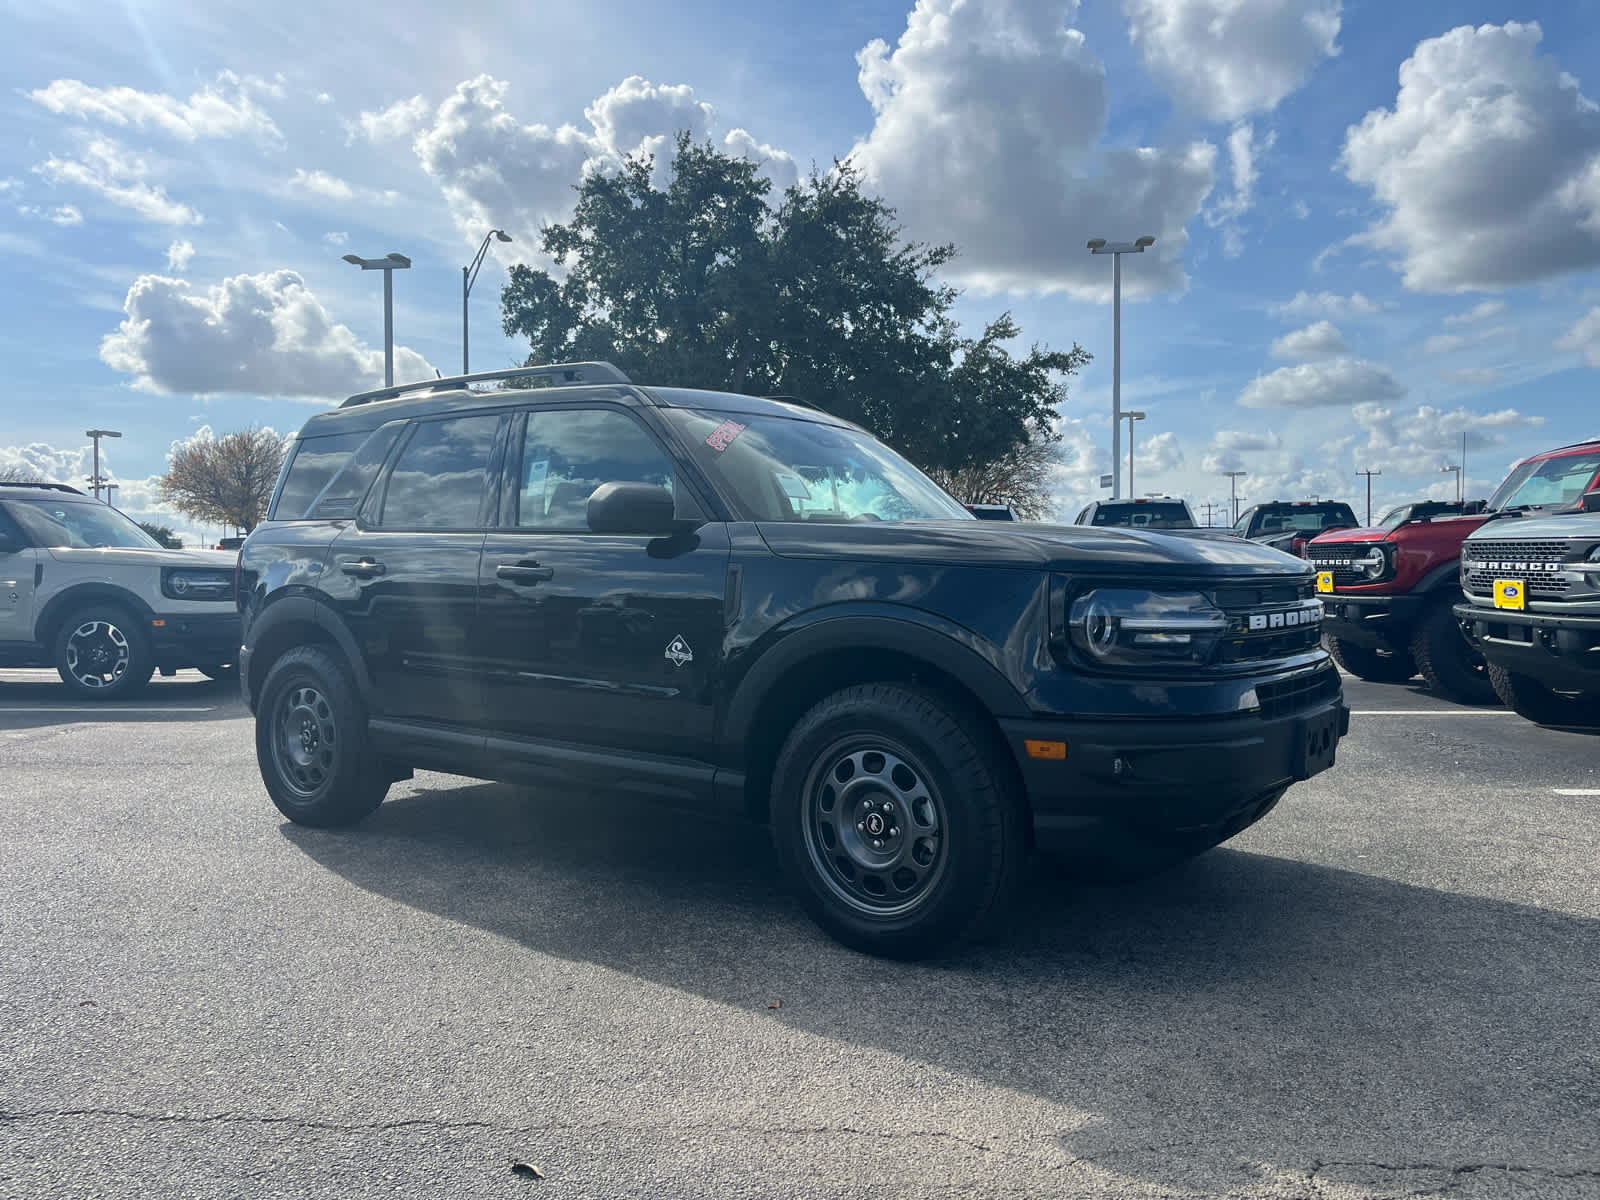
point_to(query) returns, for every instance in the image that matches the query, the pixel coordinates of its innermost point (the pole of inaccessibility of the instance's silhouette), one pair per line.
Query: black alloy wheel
(103, 654)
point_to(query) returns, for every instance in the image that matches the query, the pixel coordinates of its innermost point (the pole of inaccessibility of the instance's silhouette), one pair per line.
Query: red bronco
(1387, 592)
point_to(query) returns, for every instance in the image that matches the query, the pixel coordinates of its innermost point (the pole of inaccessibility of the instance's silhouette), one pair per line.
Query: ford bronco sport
(85, 590)
(753, 608)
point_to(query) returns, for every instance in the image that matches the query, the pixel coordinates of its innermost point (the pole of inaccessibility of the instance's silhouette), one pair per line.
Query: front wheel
(219, 670)
(896, 821)
(1531, 700)
(311, 742)
(102, 653)
(1452, 665)
(1373, 665)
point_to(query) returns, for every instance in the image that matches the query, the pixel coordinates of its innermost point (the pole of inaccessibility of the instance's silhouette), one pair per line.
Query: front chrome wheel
(875, 826)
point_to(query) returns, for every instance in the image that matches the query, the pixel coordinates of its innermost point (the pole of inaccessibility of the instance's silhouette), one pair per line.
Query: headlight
(1594, 554)
(196, 583)
(1374, 565)
(1131, 627)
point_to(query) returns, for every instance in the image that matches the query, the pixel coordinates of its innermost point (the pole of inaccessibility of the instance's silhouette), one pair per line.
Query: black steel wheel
(1452, 665)
(1373, 665)
(311, 742)
(1535, 702)
(102, 653)
(896, 820)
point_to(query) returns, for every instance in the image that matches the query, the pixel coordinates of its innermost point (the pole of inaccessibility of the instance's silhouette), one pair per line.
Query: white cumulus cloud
(223, 109)
(1338, 382)
(988, 121)
(1322, 338)
(108, 169)
(261, 334)
(1229, 58)
(1327, 304)
(178, 256)
(1488, 164)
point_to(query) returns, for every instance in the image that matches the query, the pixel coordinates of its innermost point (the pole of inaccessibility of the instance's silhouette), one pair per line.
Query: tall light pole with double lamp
(1130, 417)
(1233, 490)
(95, 435)
(1117, 250)
(388, 264)
(469, 276)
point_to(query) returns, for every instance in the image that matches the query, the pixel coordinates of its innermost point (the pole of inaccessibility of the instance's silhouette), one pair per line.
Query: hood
(1516, 529)
(114, 556)
(1026, 546)
(1459, 525)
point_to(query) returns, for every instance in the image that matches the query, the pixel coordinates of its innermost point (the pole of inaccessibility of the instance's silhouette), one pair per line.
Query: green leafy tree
(226, 481)
(162, 534)
(707, 283)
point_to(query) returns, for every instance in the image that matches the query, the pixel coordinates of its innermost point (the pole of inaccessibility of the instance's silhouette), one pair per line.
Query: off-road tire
(102, 653)
(219, 670)
(1533, 701)
(311, 742)
(1452, 665)
(898, 820)
(1364, 662)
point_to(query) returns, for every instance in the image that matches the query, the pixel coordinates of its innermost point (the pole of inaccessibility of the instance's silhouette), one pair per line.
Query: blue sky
(1378, 224)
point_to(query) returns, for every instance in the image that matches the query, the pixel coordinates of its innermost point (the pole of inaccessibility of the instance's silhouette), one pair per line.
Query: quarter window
(438, 480)
(315, 461)
(568, 452)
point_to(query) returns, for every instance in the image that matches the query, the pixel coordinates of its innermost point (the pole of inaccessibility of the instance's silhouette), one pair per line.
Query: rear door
(404, 575)
(603, 639)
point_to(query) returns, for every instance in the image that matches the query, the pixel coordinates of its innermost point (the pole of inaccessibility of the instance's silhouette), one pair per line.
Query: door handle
(527, 571)
(362, 568)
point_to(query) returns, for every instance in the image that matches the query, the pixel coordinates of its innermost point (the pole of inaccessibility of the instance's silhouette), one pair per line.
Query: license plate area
(1317, 742)
(1324, 581)
(1510, 593)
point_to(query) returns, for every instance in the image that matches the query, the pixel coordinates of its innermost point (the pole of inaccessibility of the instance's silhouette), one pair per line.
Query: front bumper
(193, 640)
(1174, 777)
(1561, 652)
(1377, 622)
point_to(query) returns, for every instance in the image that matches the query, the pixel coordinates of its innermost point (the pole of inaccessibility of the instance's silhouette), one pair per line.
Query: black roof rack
(559, 375)
(54, 487)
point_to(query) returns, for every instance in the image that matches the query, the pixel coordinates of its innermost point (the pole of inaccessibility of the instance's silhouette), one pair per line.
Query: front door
(601, 639)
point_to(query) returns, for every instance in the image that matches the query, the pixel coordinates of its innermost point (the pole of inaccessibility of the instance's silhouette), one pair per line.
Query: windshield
(51, 522)
(1144, 516)
(787, 469)
(1557, 481)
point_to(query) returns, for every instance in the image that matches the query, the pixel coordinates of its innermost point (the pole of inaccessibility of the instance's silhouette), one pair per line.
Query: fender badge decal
(678, 652)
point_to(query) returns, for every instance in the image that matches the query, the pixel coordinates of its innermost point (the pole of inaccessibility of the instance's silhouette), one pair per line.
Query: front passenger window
(569, 452)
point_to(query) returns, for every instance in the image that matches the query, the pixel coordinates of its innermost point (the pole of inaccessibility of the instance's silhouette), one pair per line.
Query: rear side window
(438, 480)
(315, 462)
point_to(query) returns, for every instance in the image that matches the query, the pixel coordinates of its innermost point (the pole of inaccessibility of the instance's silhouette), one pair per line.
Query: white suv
(85, 590)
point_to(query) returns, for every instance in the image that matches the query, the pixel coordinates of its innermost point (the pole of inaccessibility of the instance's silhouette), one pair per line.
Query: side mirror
(640, 508)
(10, 545)
(1591, 501)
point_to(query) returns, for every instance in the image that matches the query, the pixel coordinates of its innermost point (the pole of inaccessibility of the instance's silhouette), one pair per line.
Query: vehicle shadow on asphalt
(1228, 1014)
(187, 696)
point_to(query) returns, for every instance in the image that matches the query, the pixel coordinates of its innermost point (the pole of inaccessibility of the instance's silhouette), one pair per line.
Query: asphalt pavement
(1387, 988)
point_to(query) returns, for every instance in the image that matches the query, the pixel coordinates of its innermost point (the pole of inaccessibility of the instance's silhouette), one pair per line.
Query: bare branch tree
(228, 481)
(21, 473)
(1022, 478)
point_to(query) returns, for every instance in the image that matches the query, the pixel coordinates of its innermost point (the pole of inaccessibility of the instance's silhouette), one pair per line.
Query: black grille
(1341, 574)
(1275, 605)
(1528, 561)
(1291, 695)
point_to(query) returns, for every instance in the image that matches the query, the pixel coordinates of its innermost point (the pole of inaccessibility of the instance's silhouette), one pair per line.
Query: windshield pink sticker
(722, 436)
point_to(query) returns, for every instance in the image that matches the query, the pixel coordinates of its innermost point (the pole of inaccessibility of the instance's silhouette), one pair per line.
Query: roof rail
(559, 375)
(54, 487)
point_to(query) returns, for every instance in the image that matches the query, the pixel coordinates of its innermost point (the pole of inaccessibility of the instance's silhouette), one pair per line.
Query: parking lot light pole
(469, 276)
(95, 435)
(1117, 250)
(1130, 416)
(1233, 490)
(1457, 470)
(388, 264)
(1369, 475)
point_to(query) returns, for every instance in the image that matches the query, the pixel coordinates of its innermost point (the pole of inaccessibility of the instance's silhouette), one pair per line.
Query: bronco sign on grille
(1541, 565)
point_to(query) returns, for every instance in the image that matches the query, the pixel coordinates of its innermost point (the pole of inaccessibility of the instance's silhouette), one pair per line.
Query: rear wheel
(1373, 665)
(1532, 700)
(102, 653)
(1451, 664)
(311, 742)
(897, 820)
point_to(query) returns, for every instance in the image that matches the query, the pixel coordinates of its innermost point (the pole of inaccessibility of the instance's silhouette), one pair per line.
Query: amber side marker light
(1038, 749)
(158, 622)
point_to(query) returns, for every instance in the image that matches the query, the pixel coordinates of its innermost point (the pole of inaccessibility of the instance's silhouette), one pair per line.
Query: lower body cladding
(1561, 652)
(196, 640)
(1196, 781)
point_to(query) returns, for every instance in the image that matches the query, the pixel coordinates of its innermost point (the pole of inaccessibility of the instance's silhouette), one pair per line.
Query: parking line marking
(1576, 791)
(1431, 712)
(101, 708)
